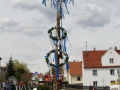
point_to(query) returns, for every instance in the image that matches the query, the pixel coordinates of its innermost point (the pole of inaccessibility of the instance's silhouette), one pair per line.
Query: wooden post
(57, 35)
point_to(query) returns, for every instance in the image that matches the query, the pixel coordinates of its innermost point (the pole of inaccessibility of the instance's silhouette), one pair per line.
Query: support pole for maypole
(57, 45)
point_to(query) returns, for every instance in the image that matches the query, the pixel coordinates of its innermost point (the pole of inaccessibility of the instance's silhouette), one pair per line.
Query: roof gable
(75, 68)
(93, 59)
(110, 50)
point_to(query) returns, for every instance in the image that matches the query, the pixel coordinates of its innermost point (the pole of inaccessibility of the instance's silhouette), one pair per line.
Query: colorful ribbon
(58, 5)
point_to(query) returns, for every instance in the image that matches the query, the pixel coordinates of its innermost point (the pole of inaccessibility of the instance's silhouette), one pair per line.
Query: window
(94, 83)
(94, 72)
(111, 60)
(112, 72)
(112, 81)
(78, 78)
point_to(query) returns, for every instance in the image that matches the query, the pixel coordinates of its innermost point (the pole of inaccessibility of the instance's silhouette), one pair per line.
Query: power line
(115, 43)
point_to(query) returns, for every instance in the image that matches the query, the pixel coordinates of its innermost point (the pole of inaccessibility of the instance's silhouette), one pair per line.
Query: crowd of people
(10, 85)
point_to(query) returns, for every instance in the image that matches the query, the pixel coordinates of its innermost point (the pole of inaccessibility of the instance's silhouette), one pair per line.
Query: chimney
(116, 48)
(94, 49)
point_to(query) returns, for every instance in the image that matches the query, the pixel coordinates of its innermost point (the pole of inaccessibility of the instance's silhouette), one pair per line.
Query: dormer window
(111, 60)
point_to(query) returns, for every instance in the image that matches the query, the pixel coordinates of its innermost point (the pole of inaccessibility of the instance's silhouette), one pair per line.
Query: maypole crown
(58, 5)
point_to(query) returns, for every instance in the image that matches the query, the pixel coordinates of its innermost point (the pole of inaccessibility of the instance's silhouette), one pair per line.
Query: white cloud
(24, 34)
(8, 23)
(92, 16)
(30, 28)
(35, 5)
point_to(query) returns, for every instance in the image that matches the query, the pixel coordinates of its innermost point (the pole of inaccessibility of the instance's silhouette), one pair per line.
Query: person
(29, 85)
(10, 86)
(0, 86)
(16, 84)
(4, 85)
(93, 88)
(13, 86)
(21, 85)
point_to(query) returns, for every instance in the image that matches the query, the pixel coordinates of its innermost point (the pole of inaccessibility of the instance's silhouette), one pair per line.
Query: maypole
(59, 41)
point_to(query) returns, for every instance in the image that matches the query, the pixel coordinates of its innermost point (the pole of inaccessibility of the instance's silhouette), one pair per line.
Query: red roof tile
(92, 59)
(75, 68)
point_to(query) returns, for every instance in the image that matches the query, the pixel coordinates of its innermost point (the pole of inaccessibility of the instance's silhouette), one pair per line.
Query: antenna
(86, 48)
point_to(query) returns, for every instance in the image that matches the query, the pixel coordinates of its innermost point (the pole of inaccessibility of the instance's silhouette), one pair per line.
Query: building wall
(66, 75)
(75, 81)
(103, 76)
(70, 78)
(111, 53)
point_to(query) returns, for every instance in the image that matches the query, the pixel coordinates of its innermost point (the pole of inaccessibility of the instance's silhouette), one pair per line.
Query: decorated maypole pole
(58, 40)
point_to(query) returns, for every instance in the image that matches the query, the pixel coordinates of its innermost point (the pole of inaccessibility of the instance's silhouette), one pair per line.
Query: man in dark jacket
(10, 86)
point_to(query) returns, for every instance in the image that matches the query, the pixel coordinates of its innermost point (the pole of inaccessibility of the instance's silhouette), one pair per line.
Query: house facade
(37, 76)
(100, 67)
(75, 73)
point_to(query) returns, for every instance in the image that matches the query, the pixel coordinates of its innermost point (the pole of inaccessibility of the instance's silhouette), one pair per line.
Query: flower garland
(56, 38)
(59, 65)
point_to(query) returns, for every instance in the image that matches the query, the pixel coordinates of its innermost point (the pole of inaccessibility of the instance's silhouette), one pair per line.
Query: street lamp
(0, 64)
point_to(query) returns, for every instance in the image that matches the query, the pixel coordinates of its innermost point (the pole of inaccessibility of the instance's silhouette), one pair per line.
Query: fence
(80, 86)
(87, 87)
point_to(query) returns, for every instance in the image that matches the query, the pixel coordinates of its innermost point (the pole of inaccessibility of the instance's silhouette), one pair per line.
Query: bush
(90, 88)
(42, 87)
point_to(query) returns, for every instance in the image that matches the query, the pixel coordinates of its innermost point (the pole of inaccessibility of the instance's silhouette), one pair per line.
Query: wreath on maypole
(54, 65)
(55, 38)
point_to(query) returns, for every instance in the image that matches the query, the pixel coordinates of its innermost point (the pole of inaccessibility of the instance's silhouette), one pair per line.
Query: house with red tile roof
(100, 67)
(75, 72)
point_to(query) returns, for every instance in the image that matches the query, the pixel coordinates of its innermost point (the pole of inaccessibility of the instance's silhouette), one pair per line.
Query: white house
(100, 67)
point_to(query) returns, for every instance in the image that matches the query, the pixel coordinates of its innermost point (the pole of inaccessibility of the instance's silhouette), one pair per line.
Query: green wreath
(56, 38)
(59, 65)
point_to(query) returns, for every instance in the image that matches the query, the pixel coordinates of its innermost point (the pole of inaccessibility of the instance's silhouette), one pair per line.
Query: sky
(24, 25)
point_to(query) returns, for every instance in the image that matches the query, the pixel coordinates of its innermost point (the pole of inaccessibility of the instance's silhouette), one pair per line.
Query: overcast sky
(24, 25)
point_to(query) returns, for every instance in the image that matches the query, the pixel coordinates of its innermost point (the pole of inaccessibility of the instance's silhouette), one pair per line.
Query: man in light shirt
(4, 85)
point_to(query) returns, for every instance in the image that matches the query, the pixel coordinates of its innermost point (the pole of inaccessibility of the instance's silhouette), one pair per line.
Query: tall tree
(10, 68)
(21, 68)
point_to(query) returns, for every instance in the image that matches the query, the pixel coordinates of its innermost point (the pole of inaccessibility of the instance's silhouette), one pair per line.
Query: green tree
(1, 77)
(20, 68)
(10, 68)
(3, 74)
